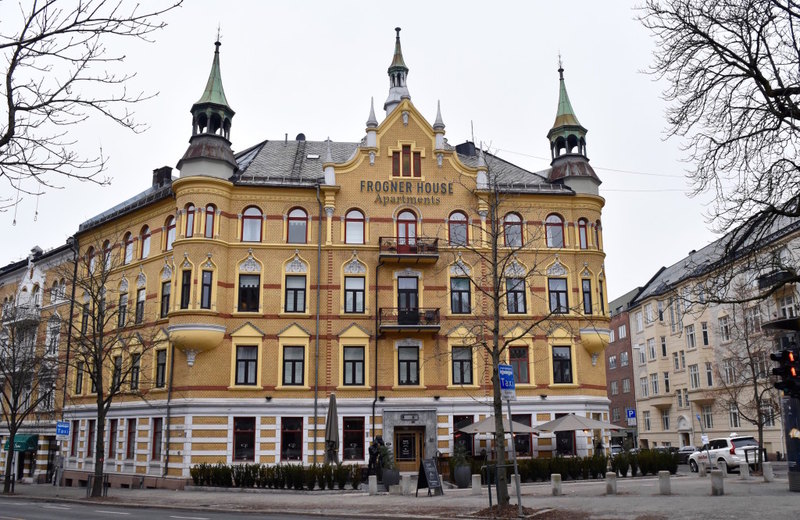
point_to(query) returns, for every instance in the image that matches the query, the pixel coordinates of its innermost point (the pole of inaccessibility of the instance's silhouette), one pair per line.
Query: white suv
(726, 453)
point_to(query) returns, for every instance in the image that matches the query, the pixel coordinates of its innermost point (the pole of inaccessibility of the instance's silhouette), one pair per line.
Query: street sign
(704, 439)
(630, 413)
(631, 421)
(62, 429)
(507, 387)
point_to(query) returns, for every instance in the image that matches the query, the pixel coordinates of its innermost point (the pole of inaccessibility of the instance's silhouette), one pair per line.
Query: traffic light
(788, 370)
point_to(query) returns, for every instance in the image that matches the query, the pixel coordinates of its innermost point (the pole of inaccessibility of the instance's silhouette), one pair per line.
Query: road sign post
(62, 430)
(509, 393)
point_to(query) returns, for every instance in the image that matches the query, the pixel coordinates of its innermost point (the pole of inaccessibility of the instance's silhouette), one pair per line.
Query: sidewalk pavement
(636, 499)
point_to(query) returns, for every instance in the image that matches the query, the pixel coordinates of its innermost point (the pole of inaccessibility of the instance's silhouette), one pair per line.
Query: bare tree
(734, 88)
(58, 73)
(112, 337)
(28, 370)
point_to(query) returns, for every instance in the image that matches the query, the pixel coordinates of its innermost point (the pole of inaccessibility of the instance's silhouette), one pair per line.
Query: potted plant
(390, 475)
(461, 469)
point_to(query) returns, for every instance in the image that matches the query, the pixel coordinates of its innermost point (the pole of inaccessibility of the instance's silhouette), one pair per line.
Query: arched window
(457, 228)
(354, 227)
(406, 231)
(107, 255)
(35, 295)
(91, 260)
(170, 225)
(211, 212)
(144, 237)
(54, 292)
(554, 230)
(127, 250)
(512, 230)
(251, 225)
(189, 220)
(297, 228)
(583, 237)
(597, 234)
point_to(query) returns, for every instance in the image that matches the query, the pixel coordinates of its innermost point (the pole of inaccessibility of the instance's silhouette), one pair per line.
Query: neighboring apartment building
(690, 357)
(34, 323)
(619, 372)
(271, 278)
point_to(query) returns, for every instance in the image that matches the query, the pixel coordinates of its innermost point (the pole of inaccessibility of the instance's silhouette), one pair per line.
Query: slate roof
(148, 196)
(288, 162)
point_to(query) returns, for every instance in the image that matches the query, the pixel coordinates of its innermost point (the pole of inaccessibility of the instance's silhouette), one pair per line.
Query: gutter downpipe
(169, 398)
(316, 334)
(377, 315)
(75, 249)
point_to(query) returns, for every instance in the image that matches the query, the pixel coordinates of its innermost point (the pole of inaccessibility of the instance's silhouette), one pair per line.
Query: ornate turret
(209, 151)
(397, 78)
(570, 164)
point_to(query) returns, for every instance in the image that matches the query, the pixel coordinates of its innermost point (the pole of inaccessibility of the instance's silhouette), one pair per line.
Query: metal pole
(514, 458)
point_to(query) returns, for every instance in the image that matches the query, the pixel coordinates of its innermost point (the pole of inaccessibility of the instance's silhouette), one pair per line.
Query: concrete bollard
(744, 471)
(406, 484)
(611, 483)
(702, 470)
(717, 483)
(395, 489)
(664, 487)
(766, 468)
(476, 484)
(555, 479)
(373, 484)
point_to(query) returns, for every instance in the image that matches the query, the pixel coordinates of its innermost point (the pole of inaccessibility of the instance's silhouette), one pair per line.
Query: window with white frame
(626, 386)
(622, 331)
(614, 388)
(663, 346)
(642, 354)
(694, 376)
(704, 332)
(768, 415)
(660, 310)
(612, 362)
(682, 356)
(708, 416)
(654, 384)
(623, 359)
(709, 374)
(639, 321)
(733, 417)
(665, 420)
(646, 418)
(651, 348)
(686, 397)
(786, 307)
(728, 371)
(724, 328)
(611, 336)
(648, 313)
(675, 361)
(690, 339)
(666, 382)
(643, 386)
(615, 414)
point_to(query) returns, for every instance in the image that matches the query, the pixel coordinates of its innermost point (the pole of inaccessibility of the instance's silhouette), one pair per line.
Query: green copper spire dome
(397, 59)
(565, 115)
(214, 93)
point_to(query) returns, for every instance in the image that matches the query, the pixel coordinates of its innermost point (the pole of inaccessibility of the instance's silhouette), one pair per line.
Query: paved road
(22, 509)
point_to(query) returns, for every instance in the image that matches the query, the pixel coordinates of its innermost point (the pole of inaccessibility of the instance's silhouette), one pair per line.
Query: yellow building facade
(274, 277)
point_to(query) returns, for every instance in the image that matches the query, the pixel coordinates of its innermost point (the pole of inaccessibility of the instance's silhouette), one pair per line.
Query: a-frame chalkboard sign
(428, 477)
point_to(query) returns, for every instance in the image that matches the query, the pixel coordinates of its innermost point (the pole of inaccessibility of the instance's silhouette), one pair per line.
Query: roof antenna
(472, 130)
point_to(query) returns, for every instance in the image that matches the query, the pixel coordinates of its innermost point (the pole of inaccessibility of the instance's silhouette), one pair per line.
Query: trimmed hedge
(279, 476)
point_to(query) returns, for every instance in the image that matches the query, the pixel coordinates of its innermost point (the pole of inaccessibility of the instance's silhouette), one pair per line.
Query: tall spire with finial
(398, 72)
(372, 121)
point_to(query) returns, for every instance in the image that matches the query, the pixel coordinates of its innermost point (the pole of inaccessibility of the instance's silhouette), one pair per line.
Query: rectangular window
(614, 388)
(244, 438)
(665, 420)
(461, 439)
(408, 365)
(708, 417)
(90, 438)
(562, 365)
(406, 161)
(686, 397)
(116, 374)
(643, 386)
(522, 441)
(680, 398)
(654, 383)
(704, 331)
(141, 295)
(666, 382)
(293, 366)
(663, 346)
(135, 368)
(396, 164)
(586, 286)
(158, 426)
(682, 355)
(130, 441)
(601, 296)
(462, 366)
(79, 379)
(626, 386)
(205, 290)
(615, 414)
(246, 360)
(354, 294)
(417, 164)
(295, 294)
(623, 331)
(642, 354)
(112, 439)
(291, 438)
(694, 376)
(460, 296)
(639, 322)
(515, 295)
(648, 313)
(166, 289)
(612, 362)
(733, 417)
(690, 339)
(768, 415)
(518, 356)
(85, 319)
(786, 306)
(646, 417)
(353, 438)
(709, 374)
(354, 366)
(122, 313)
(623, 359)
(73, 446)
(724, 329)
(557, 288)
(660, 310)
(651, 348)
(186, 288)
(161, 368)
(728, 371)
(611, 336)
(249, 292)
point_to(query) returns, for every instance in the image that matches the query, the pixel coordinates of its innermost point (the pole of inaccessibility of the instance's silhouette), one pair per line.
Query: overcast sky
(311, 67)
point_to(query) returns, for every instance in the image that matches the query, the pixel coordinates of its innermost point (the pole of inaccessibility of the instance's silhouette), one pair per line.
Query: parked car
(616, 450)
(684, 452)
(726, 453)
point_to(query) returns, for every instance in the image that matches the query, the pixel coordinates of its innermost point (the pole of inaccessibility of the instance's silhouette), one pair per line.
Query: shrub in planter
(460, 469)
(221, 476)
(355, 476)
(329, 476)
(279, 478)
(623, 463)
(584, 464)
(634, 461)
(311, 474)
(391, 476)
(341, 474)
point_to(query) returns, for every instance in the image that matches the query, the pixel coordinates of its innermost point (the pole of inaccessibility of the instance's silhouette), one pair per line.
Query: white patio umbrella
(487, 426)
(572, 422)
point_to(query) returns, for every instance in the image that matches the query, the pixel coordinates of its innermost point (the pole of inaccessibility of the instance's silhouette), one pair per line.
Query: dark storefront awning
(24, 442)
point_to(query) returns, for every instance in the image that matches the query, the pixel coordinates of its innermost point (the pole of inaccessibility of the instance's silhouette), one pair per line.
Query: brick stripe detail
(328, 326)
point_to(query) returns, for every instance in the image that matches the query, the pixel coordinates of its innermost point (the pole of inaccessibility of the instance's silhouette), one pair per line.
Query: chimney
(162, 176)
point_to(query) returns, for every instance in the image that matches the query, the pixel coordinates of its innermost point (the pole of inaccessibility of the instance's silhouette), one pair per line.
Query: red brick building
(619, 371)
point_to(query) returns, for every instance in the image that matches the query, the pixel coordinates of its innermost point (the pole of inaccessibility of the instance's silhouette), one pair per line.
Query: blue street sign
(62, 428)
(507, 387)
(630, 413)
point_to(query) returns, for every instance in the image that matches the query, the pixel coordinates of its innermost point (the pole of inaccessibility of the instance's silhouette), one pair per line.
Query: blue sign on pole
(62, 428)
(630, 413)
(507, 386)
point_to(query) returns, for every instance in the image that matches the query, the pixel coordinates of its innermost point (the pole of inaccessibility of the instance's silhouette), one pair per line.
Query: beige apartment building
(694, 360)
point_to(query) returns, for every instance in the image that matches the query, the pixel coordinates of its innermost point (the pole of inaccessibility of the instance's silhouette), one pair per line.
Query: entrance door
(408, 448)
(407, 300)
(406, 233)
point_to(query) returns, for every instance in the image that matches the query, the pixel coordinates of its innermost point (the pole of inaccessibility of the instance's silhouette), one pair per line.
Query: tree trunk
(9, 461)
(99, 446)
(499, 436)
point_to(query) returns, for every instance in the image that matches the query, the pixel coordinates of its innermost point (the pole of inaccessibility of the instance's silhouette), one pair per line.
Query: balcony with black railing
(419, 319)
(17, 314)
(409, 250)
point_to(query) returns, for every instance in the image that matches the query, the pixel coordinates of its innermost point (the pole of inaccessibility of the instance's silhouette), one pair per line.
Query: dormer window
(406, 163)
